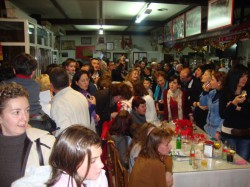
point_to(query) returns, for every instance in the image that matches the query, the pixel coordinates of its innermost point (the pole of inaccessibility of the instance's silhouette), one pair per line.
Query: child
(76, 159)
(147, 84)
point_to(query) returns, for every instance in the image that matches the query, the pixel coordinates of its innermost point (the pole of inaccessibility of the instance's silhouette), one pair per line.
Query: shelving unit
(20, 35)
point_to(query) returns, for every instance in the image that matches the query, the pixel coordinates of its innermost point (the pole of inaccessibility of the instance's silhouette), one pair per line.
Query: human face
(198, 73)
(117, 98)
(147, 84)
(95, 164)
(184, 76)
(71, 68)
(111, 66)
(95, 64)
(161, 81)
(141, 109)
(173, 85)
(83, 82)
(134, 75)
(243, 80)
(206, 77)
(215, 84)
(164, 147)
(15, 116)
(143, 65)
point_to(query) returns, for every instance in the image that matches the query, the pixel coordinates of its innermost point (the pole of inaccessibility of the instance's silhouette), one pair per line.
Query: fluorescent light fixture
(101, 31)
(143, 15)
(144, 12)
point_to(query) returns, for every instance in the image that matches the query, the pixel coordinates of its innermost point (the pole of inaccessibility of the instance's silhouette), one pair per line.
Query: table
(218, 173)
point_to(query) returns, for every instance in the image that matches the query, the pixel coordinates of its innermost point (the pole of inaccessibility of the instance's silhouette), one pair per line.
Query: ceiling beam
(95, 22)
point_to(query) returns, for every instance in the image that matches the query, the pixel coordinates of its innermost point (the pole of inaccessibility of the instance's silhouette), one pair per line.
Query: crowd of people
(93, 100)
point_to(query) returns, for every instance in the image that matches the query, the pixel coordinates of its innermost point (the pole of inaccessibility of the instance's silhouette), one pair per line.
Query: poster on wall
(168, 31)
(193, 22)
(178, 27)
(220, 14)
(84, 52)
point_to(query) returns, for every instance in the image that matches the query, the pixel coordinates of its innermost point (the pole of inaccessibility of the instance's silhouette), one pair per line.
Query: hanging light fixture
(100, 19)
(101, 31)
(144, 12)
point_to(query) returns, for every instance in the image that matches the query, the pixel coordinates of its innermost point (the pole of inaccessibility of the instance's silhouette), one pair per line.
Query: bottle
(192, 155)
(178, 141)
(224, 151)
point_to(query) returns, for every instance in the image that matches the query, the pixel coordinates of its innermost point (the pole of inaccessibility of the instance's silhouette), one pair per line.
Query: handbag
(44, 122)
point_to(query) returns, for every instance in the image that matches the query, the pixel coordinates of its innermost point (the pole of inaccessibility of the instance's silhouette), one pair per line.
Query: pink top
(65, 180)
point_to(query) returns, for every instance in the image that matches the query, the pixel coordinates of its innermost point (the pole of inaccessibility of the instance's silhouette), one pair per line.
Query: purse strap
(39, 151)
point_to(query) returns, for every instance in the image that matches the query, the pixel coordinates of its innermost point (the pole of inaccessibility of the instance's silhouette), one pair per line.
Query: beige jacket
(45, 138)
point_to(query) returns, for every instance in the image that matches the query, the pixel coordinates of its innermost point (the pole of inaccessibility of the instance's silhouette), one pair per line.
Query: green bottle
(178, 141)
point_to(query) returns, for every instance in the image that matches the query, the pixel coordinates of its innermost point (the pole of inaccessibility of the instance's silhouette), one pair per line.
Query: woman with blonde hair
(133, 75)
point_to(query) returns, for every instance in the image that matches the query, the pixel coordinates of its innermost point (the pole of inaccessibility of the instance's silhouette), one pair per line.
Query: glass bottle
(178, 141)
(192, 155)
(224, 151)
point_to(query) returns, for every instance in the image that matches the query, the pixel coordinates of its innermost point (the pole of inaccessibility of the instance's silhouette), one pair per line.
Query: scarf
(157, 91)
(178, 97)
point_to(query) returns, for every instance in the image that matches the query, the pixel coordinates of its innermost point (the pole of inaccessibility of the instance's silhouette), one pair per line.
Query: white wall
(140, 44)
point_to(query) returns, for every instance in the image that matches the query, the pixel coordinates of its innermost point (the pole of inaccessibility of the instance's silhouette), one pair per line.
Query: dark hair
(139, 89)
(233, 77)
(121, 124)
(174, 77)
(76, 78)
(59, 78)
(6, 71)
(71, 148)
(10, 91)
(137, 101)
(104, 82)
(24, 64)
(68, 61)
(50, 67)
(155, 137)
(121, 89)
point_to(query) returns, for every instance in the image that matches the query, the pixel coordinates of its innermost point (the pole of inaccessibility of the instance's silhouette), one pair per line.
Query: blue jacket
(214, 121)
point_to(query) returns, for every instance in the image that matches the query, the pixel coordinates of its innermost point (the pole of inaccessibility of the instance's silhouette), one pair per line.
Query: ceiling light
(101, 31)
(143, 15)
(144, 12)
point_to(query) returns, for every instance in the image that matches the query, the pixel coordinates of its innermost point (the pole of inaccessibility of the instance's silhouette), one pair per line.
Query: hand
(97, 118)
(169, 179)
(113, 115)
(202, 107)
(191, 118)
(207, 86)
(92, 100)
(217, 136)
(238, 99)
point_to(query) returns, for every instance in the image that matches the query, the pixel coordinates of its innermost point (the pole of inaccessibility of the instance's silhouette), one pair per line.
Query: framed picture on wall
(220, 14)
(86, 40)
(178, 27)
(110, 46)
(193, 21)
(68, 45)
(168, 31)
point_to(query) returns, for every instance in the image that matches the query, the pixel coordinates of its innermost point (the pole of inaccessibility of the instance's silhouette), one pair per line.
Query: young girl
(150, 167)
(76, 159)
